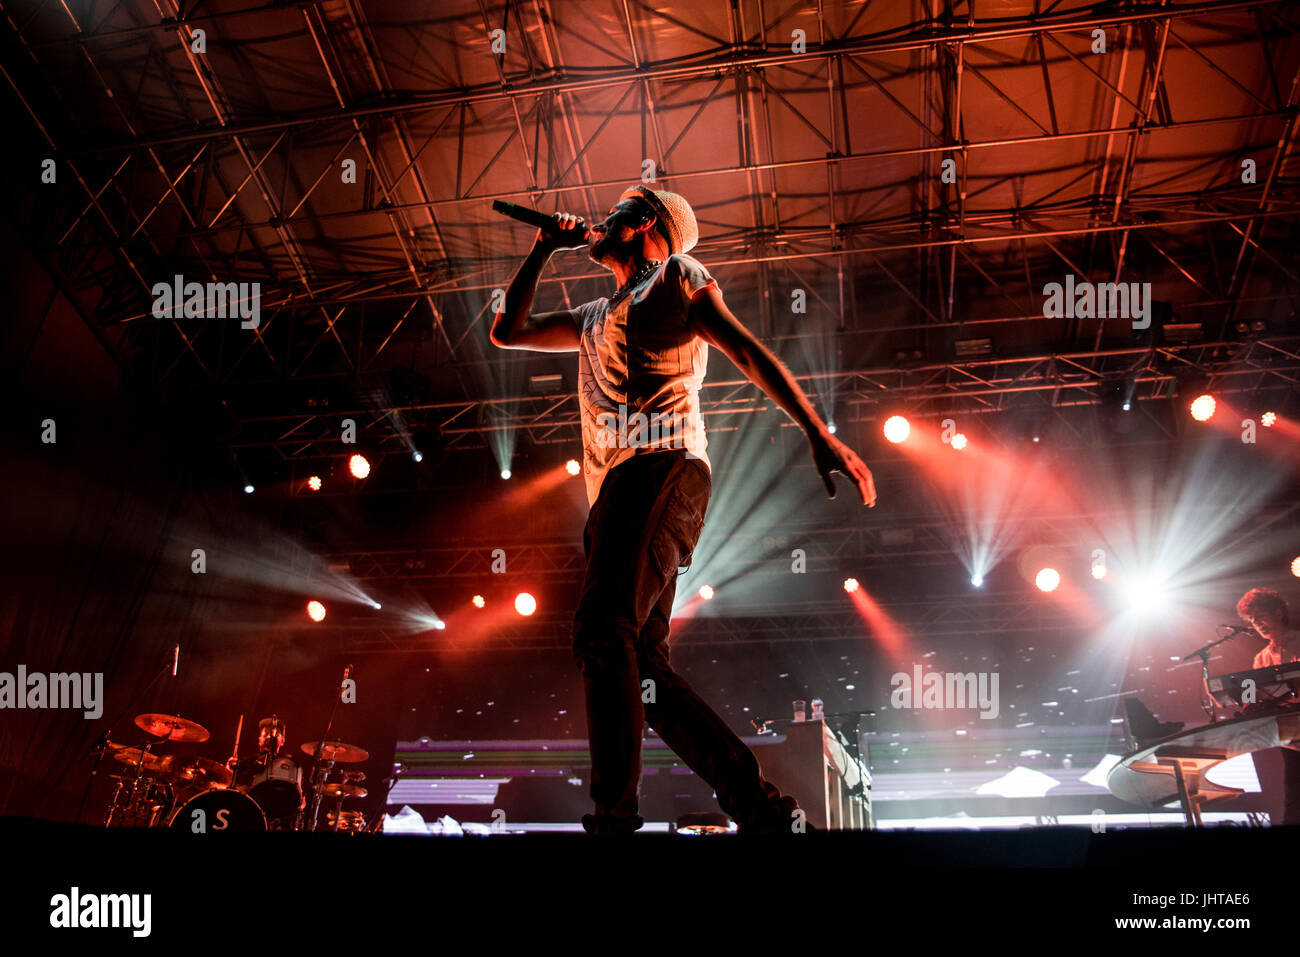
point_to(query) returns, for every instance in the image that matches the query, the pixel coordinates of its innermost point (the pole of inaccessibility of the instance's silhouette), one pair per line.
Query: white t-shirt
(639, 372)
(1266, 657)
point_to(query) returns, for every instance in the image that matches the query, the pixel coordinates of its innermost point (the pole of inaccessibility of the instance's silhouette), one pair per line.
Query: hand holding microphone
(569, 232)
(561, 231)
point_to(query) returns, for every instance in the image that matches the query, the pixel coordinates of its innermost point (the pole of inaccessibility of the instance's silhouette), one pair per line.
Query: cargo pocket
(678, 533)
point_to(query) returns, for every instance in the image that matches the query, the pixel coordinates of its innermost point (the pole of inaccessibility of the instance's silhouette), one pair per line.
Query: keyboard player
(1265, 611)
(1278, 769)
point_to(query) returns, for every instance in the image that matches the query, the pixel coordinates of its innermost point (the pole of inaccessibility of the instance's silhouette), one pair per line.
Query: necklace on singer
(648, 267)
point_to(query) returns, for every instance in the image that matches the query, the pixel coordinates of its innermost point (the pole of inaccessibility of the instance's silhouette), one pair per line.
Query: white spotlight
(248, 489)
(897, 428)
(417, 455)
(977, 580)
(505, 473)
(1146, 595)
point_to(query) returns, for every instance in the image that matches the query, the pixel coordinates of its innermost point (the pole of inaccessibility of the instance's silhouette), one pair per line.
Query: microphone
(534, 218)
(1239, 629)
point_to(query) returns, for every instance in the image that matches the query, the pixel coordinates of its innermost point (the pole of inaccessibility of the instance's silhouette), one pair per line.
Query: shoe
(769, 829)
(776, 821)
(607, 825)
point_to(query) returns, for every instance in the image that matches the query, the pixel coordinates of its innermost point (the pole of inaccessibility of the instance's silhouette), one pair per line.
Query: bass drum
(217, 811)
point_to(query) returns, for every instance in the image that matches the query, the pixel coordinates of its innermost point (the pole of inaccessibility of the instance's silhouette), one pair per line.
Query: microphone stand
(377, 822)
(317, 778)
(1208, 704)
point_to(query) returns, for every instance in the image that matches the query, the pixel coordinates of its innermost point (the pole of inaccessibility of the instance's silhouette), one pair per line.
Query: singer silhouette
(641, 360)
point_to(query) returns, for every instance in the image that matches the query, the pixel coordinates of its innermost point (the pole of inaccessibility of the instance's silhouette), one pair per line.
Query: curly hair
(1264, 600)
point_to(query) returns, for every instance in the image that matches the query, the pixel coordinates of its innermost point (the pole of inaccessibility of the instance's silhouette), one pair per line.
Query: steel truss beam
(917, 540)
(932, 621)
(725, 62)
(969, 387)
(829, 160)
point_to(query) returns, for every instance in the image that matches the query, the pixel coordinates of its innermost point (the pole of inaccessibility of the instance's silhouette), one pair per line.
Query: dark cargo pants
(643, 527)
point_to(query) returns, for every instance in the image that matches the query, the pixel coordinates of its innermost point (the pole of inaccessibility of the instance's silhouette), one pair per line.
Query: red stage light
(572, 467)
(478, 601)
(359, 466)
(1268, 420)
(525, 604)
(851, 585)
(706, 592)
(897, 428)
(315, 611)
(1203, 407)
(1295, 566)
(959, 441)
(314, 483)
(1047, 579)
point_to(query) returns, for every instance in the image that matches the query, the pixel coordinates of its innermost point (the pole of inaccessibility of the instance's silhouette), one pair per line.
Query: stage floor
(332, 887)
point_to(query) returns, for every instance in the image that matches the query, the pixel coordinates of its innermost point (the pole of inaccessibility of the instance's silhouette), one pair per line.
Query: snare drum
(220, 810)
(278, 788)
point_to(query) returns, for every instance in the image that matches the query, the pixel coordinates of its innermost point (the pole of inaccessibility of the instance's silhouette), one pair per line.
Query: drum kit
(259, 794)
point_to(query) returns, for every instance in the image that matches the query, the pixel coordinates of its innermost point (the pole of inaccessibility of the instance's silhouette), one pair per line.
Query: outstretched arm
(713, 322)
(514, 327)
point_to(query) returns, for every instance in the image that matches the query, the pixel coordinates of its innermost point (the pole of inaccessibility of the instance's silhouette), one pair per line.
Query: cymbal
(337, 751)
(172, 727)
(203, 772)
(339, 789)
(152, 763)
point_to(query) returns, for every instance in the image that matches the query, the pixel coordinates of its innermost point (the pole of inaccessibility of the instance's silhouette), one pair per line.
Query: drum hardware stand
(135, 787)
(102, 743)
(338, 811)
(317, 778)
(99, 749)
(320, 774)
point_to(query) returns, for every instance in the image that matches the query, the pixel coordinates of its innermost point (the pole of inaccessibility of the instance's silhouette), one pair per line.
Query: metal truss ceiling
(819, 169)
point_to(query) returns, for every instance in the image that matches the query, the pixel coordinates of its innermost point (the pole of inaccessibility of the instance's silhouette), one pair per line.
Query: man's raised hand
(832, 455)
(573, 228)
